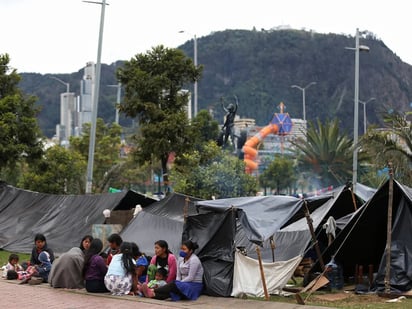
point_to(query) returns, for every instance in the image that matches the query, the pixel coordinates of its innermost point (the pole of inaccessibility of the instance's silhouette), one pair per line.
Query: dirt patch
(333, 296)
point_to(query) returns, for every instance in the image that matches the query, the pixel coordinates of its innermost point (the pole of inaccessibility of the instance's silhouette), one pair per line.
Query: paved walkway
(43, 296)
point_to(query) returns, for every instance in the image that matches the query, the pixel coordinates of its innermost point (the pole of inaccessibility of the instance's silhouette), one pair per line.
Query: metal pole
(195, 104)
(303, 89)
(364, 113)
(195, 84)
(304, 104)
(364, 118)
(119, 90)
(389, 233)
(89, 182)
(356, 114)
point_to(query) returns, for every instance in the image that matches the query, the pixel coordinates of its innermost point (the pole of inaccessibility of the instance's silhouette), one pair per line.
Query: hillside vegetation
(259, 67)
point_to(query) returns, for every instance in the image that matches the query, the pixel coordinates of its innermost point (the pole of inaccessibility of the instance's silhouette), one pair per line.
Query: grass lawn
(347, 300)
(4, 257)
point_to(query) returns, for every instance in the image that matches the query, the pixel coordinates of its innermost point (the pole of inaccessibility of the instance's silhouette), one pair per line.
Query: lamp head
(364, 48)
(106, 213)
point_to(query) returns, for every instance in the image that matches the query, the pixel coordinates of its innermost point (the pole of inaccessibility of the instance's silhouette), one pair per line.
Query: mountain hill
(259, 67)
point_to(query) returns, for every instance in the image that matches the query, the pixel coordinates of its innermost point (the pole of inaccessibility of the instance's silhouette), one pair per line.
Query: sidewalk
(26, 296)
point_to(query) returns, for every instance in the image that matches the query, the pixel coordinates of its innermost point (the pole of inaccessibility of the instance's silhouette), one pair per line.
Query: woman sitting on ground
(189, 280)
(40, 245)
(121, 274)
(85, 242)
(95, 268)
(67, 270)
(163, 259)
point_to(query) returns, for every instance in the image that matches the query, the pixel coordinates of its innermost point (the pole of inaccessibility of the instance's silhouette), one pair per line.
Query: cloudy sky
(60, 36)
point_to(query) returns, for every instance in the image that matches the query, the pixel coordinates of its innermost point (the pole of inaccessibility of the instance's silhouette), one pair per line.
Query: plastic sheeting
(363, 239)
(247, 276)
(401, 252)
(293, 240)
(63, 219)
(161, 220)
(226, 224)
(260, 216)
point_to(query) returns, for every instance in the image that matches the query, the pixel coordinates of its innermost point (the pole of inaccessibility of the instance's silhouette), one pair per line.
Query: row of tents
(275, 232)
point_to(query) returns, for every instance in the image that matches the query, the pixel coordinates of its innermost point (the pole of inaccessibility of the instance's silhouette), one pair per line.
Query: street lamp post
(303, 89)
(62, 82)
(364, 112)
(357, 49)
(119, 91)
(90, 161)
(195, 104)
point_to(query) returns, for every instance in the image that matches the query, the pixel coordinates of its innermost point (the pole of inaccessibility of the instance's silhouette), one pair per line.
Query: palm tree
(325, 154)
(393, 143)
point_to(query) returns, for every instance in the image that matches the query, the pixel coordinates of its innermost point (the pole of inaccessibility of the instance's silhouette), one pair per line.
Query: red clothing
(110, 256)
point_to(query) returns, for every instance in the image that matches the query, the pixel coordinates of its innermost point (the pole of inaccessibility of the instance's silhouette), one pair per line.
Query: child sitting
(12, 266)
(40, 245)
(39, 273)
(160, 280)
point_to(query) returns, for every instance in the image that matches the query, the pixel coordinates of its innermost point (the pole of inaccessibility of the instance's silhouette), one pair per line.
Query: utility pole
(89, 180)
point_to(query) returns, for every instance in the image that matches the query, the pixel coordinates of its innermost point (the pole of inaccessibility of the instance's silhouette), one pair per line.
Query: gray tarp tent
(293, 239)
(362, 241)
(161, 220)
(63, 219)
(216, 227)
(249, 221)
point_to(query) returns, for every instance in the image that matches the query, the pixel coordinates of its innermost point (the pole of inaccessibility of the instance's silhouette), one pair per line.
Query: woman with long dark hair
(85, 242)
(163, 259)
(189, 279)
(95, 268)
(120, 277)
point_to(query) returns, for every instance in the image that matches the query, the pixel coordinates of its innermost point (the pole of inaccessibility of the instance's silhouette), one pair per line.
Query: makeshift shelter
(363, 240)
(161, 220)
(63, 219)
(215, 230)
(295, 237)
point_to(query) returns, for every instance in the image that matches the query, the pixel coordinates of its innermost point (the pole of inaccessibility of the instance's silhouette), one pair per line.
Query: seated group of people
(123, 271)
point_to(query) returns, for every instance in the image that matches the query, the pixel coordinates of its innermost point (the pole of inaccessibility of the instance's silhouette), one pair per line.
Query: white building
(84, 108)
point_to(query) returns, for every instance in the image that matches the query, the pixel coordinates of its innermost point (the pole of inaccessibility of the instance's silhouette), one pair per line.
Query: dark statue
(228, 126)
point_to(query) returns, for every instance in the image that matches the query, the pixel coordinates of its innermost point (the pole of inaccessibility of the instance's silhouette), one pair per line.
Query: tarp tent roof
(161, 220)
(293, 239)
(364, 192)
(215, 230)
(63, 219)
(261, 216)
(363, 239)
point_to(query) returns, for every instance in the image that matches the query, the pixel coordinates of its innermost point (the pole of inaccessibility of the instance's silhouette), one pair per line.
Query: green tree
(325, 154)
(20, 136)
(280, 175)
(393, 144)
(106, 155)
(60, 171)
(220, 174)
(204, 128)
(153, 84)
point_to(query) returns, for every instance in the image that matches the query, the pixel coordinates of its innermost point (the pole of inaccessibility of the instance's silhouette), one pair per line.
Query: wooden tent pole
(312, 232)
(389, 232)
(262, 274)
(186, 209)
(353, 198)
(272, 246)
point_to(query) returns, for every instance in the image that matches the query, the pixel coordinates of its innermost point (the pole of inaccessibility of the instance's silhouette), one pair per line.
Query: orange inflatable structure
(250, 147)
